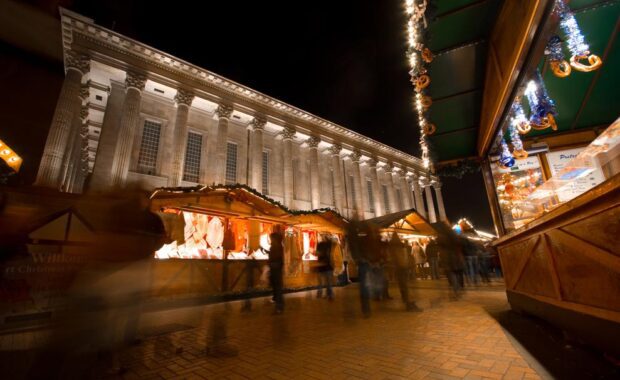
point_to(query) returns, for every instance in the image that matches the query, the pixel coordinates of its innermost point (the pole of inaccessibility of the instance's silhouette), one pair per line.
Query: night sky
(341, 60)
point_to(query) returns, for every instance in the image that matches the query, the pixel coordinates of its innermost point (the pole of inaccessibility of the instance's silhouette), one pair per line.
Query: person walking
(276, 264)
(358, 238)
(451, 259)
(432, 255)
(324, 268)
(470, 250)
(400, 257)
(418, 254)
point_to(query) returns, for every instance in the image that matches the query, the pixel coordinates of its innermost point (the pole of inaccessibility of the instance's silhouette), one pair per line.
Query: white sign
(558, 160)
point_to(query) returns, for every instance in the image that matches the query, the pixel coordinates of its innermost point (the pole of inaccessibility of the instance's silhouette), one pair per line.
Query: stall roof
(244, 202)
(406, 222)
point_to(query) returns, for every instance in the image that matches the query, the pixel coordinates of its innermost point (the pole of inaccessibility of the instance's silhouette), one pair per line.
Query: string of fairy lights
(417, 55)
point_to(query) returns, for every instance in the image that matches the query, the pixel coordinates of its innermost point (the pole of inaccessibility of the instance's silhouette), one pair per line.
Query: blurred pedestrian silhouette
(432, 255)
(324, 268)
(276, 265)
(400, 257)
(451, 258)
(358, 240)
(217, 333)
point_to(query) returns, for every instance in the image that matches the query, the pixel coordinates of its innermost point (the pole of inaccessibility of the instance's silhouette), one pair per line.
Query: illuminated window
(265, 172)
(147, 159)
(386, 199)
(193, 153)
(371, 198)
(231, 163)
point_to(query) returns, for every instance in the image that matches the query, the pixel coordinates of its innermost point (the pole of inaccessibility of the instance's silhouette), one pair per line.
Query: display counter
(564, 264)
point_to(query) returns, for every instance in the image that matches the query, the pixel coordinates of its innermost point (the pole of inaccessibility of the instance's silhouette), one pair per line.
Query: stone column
(67, 107)
(442, 210)
(337, 178)
(73, 154)
(432, 217)
(257, 126)
(288, 134)
(130, 115)
(79, 171)
(183, 100)
(390, 169)
(357, 182)
(223, 112)
(405, 190)
(417, 191)
(376, 187)
(315, 183)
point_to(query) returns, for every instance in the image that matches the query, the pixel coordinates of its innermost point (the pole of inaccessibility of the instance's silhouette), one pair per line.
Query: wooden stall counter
(564, 267)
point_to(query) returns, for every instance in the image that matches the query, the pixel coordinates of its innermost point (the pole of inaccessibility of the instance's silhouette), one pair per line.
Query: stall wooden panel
(566, 265)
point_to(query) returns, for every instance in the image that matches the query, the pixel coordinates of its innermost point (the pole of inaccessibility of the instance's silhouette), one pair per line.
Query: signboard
(581, 179)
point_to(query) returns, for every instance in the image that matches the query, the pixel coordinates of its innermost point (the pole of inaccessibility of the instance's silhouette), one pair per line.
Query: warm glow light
(10, 157)
(5, 152)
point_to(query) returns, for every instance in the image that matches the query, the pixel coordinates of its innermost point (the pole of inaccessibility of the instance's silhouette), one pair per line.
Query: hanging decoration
(519, 121)
(575, 40)
(542, 108)
(506, 160)
(418, 54)
(553, 51)
(517, 144)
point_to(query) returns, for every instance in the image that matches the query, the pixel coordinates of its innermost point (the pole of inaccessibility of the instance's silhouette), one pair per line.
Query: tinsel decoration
(542, 107)
(517, 144)
(558, 64)
(575, 40)
(506, 160)
(518, 120)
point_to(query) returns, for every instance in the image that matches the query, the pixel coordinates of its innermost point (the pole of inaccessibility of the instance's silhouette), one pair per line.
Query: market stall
(550, 138)
(219, 240)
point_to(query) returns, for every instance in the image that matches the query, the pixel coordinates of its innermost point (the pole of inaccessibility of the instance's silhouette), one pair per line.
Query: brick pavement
(318, 339)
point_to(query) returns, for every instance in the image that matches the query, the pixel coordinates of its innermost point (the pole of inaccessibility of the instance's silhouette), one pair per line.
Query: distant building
(131, 114)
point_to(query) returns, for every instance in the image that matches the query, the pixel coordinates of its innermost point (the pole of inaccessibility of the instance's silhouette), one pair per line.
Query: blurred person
(484, 263)
(470, 250)
(324, 268)
(357, 240)
(400, 257)
(418, 256)
(276, 264)
(432, 255)
(105, 299)
(217, 332)
(451, 259)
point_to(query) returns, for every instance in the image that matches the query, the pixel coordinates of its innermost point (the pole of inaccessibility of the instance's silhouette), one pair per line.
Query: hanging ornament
(506, 160)
(576, 42)
(554, 54)
(542, 108)
(519, 121)
(517, 144)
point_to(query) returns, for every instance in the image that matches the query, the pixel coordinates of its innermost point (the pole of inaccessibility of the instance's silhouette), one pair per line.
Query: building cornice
(76, 27)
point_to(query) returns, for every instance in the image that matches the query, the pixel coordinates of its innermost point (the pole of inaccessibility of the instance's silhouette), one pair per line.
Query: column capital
(373, 162)
(390, 168)
(288, 133)
(257, 123)
(77, 61)
(135, 80)
(424, 182)
(356, 155)
(436, 184)
(184, 97)
(335, 149)
(313, 142)
(223, 111)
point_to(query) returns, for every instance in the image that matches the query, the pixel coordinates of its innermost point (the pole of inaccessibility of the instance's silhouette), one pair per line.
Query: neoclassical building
(130, 114)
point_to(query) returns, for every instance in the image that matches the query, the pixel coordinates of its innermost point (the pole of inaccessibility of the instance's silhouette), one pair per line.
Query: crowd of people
(381, 258)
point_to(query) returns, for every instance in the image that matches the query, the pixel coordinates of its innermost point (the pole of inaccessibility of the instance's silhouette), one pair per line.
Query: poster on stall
(584, 179)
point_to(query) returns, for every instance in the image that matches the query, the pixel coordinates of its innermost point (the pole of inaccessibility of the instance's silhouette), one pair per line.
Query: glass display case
(574, 172)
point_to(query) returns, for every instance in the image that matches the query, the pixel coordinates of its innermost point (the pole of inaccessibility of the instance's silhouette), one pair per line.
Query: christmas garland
(240, 186)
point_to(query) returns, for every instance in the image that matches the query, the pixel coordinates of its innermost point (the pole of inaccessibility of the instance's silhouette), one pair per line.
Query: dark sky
(342, 60)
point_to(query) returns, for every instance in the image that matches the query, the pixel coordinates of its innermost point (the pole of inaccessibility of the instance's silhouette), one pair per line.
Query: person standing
(358, 236)
(418, 255)
(470, 250)
(276, 264)
(324, 268)
(432, 255)
(400, 257)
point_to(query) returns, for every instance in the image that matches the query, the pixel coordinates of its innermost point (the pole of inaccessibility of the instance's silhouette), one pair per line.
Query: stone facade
(154, 120)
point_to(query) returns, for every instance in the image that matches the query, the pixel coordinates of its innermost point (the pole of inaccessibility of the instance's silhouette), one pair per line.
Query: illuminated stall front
(218, 240)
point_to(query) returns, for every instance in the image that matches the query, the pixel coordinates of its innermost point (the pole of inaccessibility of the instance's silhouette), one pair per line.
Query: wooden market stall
(407, 223)
(219, 240)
